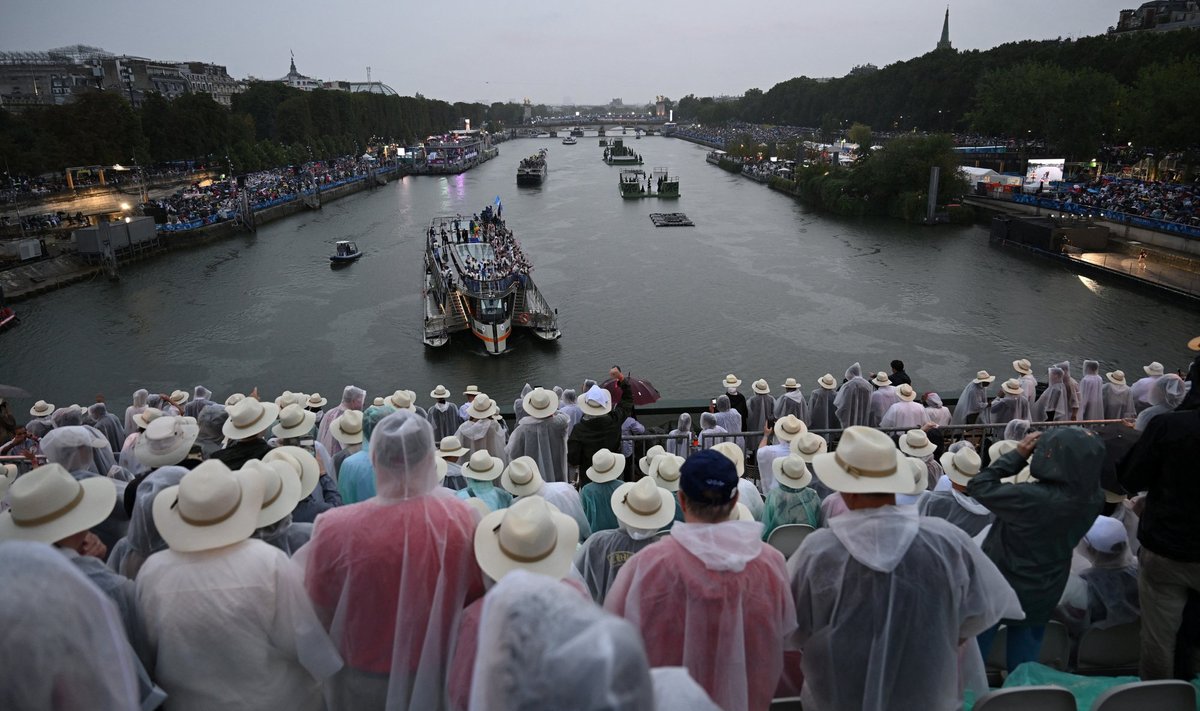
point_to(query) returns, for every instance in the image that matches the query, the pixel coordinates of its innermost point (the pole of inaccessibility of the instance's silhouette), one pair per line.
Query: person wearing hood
(760, 409)
(1142, 386)
(569, 407)
(792, 402)
(1037, 526)
(600, 427)
(481, 432)
(1012, 405)
(954, 505)
(1109, 585)
(729, 419)
(883, 397)
(353, 398)
(775, 443)
(211, 421)
(709, 431)
(140, 398)
(201, 398)
(1116, 398)
(1072, 385)
(711, 597)
(282, 490)
(905, 413)
(1091, 404)
(1192, 400)
(108, 424)
(935, 411)
(541, 434)
(356, 479)
(973, 400)
(519, 403)
(853, 402)
(641, 508)
(1053, 405)
(822, 406)
(444, 414)
(522, 479)
(1028, 383)
(860, 584)
(1168, 393)
(737, 400)
(679, 440)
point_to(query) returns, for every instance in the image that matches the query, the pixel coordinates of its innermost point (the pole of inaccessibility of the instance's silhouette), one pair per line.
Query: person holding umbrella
(600, 427)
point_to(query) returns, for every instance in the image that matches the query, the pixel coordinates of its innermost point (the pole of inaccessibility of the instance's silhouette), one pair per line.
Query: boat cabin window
(491, 310)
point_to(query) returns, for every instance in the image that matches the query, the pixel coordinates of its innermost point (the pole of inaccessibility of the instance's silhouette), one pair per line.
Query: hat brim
(34, 412)
(593, 410)
(178, 403)
(442, 466)
(477, 415)
(605, 477)
(918, 452)
(764, 391)
(540, 412)
(444, 395)
(824, 386)
(344, 437)
(906, 398)
(456, 453)
(141, 450)
(986, 381)
(320, 403)
(299, 430)
(1021, 369)
(1114, 381)
(956, 476)
(1152, 371)
(740, 512)
(647, 522)
(287, 499)
(99, 497)
(186, 538)
(1018, 391)
(493, 561)
(733, 384)
(821, 449)
(828, 471)
(310, 469)
(264, 423)
(1194, 344)
(881, 384)
(782, 478)
(788, 437)
(534, 486)
(490, 474)
(671, 485)
(141, 421)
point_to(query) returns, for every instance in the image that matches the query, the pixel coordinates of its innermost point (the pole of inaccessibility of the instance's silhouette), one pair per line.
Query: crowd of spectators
(1170, 202)
(18, 188)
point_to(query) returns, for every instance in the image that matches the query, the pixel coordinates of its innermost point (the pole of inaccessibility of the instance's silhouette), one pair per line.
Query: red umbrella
(644, 391)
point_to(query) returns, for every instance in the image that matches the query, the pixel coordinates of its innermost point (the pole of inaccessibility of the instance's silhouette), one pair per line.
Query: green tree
(860, 133)
(1162, 105)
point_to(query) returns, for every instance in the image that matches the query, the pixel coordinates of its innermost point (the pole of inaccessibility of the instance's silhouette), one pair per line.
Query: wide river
(761, 287)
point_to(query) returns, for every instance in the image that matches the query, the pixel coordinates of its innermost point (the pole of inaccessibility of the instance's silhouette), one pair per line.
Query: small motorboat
(569, 141)
(346, 253)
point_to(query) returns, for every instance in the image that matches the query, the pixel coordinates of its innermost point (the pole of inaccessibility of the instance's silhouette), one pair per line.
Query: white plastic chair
(1164, 695)
(787, 538)
(1110, 652)
(1027, 698)
(790, 703)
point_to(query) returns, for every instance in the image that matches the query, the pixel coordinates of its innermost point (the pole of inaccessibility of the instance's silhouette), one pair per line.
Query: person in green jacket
(1038, 524)
(792, 501)
(605, 474)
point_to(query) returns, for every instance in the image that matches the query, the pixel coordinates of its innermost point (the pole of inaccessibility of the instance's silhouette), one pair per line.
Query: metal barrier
(23, 465)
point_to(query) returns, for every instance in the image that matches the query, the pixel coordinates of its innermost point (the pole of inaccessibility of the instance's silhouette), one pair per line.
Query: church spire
(944, 42)
(293, 67)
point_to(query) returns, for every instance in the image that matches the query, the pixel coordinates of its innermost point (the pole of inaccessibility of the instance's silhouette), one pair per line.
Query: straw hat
(881, 378)
(1001, 448)
(522, 477)
(961, 466)
(1194, 344)
(377, 402)
(827, 381)
(403, 400)
(1023, 367)
(1154, 368)
(915, 443)
(294, 421)
(740, 512)
(596, 401)
(166, 441)
(606, 466)
(983, 377)
(8, 474)
(920, 474)
(471, 390)
(212, 507)
(439, 393)
(665, 470)
(281, 489)
(48, 505)
(178, 397)
(145, 417)
(1012, 387)
(450, 446)
(645, 461)
(302, 462)
(731, 381)
(234, 399)
(906, 393)
(760, 387)
(41, 408)
(483, 466)
(249, 417)
(808, 445)
(1117, 377)
(789, 427)
(792, 471)
(790, 384)
(540, 403)
(733, 453)
(532, 535)
(315, 400)
(482, 407)
(866, 462)
(643, 505)
(347, 428)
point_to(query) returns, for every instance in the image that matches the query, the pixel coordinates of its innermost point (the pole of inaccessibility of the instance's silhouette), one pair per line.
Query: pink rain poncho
(713, 598)
(352, 399)
(390, 576)
(888, 604)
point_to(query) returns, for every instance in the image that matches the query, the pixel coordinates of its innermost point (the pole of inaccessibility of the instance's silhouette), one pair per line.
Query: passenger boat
(715, 157)
(577, 132)
(477, 279)
(345, 253)
(569, 141)
(532, 170)
(617, 153)
(634, 183)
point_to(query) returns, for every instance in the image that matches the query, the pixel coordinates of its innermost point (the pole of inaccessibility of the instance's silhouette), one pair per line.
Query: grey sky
(590, 52)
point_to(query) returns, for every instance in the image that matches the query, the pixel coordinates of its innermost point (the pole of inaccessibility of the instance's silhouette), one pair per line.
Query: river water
(761, 287)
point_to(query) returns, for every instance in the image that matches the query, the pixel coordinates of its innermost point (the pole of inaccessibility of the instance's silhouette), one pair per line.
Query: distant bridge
(592, 122)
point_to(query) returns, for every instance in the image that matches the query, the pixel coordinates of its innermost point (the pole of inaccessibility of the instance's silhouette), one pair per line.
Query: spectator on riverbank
(792, 402)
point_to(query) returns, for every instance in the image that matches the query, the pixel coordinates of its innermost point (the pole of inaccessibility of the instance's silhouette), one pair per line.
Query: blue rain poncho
(601, 556)
(495, 497)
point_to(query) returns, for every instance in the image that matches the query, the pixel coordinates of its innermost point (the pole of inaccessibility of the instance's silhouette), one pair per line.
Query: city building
(944, 42)
(1159, 16)
(211, 79)
(296, 80)
(46, 78)
(137, 77)
(364, 87)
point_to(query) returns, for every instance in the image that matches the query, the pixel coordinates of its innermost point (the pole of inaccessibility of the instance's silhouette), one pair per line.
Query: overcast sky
(584, 52)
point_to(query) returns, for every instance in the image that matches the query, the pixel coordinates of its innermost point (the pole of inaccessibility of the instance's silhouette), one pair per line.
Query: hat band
(517, 556)
(664, 477)
(809, 450)
(255, 421)
(786, 472)
(643, 512)
(858, 471)
(53, 515)
(213, 521)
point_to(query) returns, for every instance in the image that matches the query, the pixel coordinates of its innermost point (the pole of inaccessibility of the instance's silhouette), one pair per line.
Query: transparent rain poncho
(1072, 385)
(285, 534)
(356, 476)
(478, 435)
(566, 498)
(1016, 430)
(881, 401)
(140, 397)
(601, 556)
(852, 405)
(822, 409)
(390, 576)
(67, 417)
(972, 402)
(1167, 394)
(540, 648)
(760, 408)
(201, 398)
(786, 505)
(488, 492)
(1141, 391)
(569, 407)
(1007, 408)
(545, 441)
(935, 411)
(1054, 404)
(1091, 404)
(904, 416)
(444, 418)
(679, 440)
(64, 646)
(792, 402)
(708, 428)
(729, 419)
(352, 399)
(519, 403)
(713, 598)
(863, 587)
(142, 538)
(957, 508)
(108, 425)
(211, 420)
(1116, 401)
(71, 447)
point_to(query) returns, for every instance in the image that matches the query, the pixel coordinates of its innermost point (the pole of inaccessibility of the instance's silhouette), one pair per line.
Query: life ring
(523, 319)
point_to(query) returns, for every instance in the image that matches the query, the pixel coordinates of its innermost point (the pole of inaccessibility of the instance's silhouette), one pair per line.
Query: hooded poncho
(352, 399)
(935, 411)
(759, 409)
(1117, 401)
(200, 400)
(545, 441)
(972, 402)
(792, 402)
(140, 399)
(1054, 402)
(679, 440)
(823, 410)
(445, 419)
(1167, 394)
(1091, 404)
(853, 401)
(142, 538)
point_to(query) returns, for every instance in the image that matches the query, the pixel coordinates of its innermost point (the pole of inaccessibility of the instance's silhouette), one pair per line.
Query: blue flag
(497, 201)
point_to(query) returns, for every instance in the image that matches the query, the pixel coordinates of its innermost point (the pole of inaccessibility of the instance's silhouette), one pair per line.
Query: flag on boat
(497, 201)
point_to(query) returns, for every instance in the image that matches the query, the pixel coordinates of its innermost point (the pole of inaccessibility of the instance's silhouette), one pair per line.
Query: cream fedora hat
(315, 400)
(827, 381)
(451, 446)
(789, 427)
(983, 377)
(1117, 377)
(302, 462)
(1154, 368)
(1012, 387)
(740, 512)
(248, 418)
(1023, 366)
(666, 471)
(645, 461)
(540, 403)
(378, 402)
(881, 379)
(48, 505)
(761, 387)
(442, 466)
(961, 466)
(905, 392)
(606, 466)
(166, 441)
(439, 393)
(532, 535)
(522, 477)
(403, 400)
(808, 445)
(8, 474)
(731, 381)
(866, 462)
(1000, 448)
(920, 474)
(145, 417)
(790, 384)
(294, 421)
(643, 504)
(915, 443)
(1024, 476)
(281, 489)
(178, 398)
(482, 407)
(471, 390)
(791, 471)
(234, 399)
(483, 466)
(733, 453)
(41, 408)
(348, 427)
(211, 507)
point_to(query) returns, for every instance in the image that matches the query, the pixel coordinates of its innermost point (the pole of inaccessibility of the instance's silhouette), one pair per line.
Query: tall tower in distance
(944, 42)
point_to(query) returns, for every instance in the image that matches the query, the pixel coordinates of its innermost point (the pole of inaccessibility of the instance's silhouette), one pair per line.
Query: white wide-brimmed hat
(280, 486)
(1194, 344)
(249, 417)
(646, 460)
(403, 400)
(666, 471)
(596, 401)
(733, 453)
(606, 466)
(471, 390)
(439, 393)
(1023, 366)
(145, 417)
(915, 443)
(48, 505)
(211, 507)
(302, 462)
(740, 512)
(731, 381)
(905, 392)
(881, 378)
(451, 446)
(827, 382)
(378, 402)
(315, 400)
(808, 445)
(234, 399)
(1117, 377)
(1000, 448)
(347, 428)
(294, 421)
(531, 535)
(792, 471)
(1154, 368)
(761, 387)
(983, 377)
(166, 441)
(791, 384)
(482, 407)
(540, 403)
(442, 467)
(41, 408)
(522, 477)
(8, 474)
(643, 504)
(789, 427)
(482, 466)
(178, 397)
(1012, 387)
(866, 462)
(961, 466)
(920, 474)
(288, 397)
(1025, 476)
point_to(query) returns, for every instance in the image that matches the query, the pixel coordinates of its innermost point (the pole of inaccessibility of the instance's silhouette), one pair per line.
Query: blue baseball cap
(708, 477)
